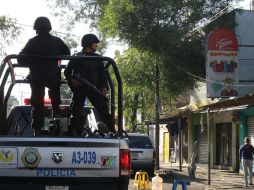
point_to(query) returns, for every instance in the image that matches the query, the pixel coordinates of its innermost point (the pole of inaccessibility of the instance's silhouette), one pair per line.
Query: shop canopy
(172, 117)
(229, 103)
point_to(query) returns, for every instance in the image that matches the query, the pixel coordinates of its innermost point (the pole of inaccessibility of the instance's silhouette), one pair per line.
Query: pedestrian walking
(43, 72)
(93, 72)
(246, 157)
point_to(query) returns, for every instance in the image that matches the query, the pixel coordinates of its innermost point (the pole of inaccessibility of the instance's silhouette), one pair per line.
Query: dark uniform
(95, 74)
(43, 72)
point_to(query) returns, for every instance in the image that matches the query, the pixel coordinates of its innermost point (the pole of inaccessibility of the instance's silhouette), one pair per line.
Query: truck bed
(76, 163)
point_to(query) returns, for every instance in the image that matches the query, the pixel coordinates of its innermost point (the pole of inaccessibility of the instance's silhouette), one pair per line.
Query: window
(140, 142)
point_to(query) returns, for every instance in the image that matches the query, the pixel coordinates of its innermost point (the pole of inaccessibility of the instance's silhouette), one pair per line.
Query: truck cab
(95, 160)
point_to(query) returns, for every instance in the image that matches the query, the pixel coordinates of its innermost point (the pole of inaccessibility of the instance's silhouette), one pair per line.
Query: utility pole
(157, 126)
(180, 143)
(208, 139)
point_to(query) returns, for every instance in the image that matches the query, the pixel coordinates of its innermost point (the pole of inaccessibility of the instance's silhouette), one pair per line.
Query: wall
(245, 35)
(163, 129)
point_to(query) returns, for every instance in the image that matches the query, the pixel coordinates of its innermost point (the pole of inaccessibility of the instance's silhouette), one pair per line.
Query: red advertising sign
(222, 39)
(222, 64)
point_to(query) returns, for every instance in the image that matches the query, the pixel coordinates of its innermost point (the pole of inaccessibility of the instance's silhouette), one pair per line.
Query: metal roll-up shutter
(250, 128)
(203, 146)
(230, 147)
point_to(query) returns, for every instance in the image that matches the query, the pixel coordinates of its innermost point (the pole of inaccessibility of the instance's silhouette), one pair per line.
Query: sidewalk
(220, 179)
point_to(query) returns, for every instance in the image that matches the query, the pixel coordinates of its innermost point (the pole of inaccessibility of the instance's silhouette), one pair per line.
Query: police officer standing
(43, 72)
(95, 74)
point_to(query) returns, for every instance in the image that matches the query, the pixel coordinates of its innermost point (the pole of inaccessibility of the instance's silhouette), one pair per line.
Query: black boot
(55, 127)
(38, 133)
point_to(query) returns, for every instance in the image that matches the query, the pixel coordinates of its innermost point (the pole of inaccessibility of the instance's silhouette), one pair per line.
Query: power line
(212, 81)
(25, 25)
(216, 16)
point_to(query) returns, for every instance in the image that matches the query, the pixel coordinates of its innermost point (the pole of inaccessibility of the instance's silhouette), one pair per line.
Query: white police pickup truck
(96, 160)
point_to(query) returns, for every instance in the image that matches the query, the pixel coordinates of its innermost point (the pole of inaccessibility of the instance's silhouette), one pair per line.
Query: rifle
(86, 83)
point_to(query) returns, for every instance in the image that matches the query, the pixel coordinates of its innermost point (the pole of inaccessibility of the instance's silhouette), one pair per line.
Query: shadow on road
(173, 174)
(169, 175)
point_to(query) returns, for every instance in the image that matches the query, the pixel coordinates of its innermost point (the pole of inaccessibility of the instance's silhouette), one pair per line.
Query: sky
(26, 11)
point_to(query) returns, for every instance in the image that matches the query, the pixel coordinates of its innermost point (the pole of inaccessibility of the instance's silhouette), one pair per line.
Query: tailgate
(141, 154)
(59, 157)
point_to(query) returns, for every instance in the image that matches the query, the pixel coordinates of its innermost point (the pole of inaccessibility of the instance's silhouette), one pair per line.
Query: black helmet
(42, 23)
(89, 39)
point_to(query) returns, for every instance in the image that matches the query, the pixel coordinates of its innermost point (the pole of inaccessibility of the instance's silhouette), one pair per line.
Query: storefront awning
(171, 117)
(235, 102)
(245, 101)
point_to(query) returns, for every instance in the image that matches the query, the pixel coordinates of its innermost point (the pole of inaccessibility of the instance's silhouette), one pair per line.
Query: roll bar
(7, 68)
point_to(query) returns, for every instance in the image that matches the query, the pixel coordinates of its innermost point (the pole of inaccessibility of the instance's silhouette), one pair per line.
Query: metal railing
(7, 68)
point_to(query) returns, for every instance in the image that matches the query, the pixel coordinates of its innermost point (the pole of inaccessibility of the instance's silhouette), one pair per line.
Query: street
(220, 179)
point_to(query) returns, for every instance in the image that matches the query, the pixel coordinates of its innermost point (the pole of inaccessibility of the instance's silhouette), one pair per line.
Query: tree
(160, 27)
(131, 65)
(9, 31)
(158, 33)
(137, 70)
(69, 39)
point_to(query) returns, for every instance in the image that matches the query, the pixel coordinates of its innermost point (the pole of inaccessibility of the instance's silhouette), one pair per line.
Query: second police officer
(94, 73)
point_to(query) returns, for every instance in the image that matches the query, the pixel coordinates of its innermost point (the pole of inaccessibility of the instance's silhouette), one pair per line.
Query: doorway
(224, 144)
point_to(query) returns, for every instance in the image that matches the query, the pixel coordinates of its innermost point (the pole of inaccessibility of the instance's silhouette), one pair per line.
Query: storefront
(223, 138)
(224, 144)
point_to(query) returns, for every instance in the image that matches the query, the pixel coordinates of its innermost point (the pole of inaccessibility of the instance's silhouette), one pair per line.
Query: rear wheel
(20, 128)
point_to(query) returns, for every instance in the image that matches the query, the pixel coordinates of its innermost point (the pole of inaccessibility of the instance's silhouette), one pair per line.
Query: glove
(73, 83)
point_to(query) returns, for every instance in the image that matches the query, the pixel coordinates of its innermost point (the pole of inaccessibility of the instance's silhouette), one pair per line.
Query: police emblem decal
(31, 158)
(57, 157)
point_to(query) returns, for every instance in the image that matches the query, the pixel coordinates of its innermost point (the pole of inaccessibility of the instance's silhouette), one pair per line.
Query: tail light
(47, 101)
(27, 101)
(125, 163)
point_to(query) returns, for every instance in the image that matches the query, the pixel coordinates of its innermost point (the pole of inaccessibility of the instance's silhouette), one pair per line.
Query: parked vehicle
(142, 153)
